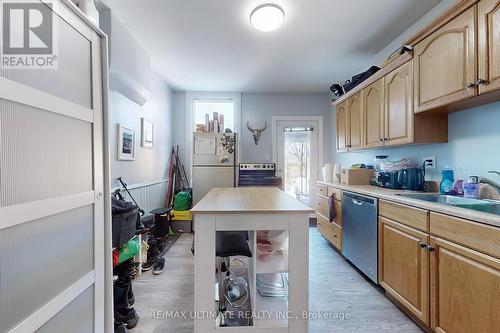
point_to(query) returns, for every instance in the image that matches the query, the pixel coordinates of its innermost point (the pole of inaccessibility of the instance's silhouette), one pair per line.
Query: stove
(259, 174)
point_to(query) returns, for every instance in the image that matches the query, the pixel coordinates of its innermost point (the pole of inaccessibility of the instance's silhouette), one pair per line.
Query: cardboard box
(356, 176)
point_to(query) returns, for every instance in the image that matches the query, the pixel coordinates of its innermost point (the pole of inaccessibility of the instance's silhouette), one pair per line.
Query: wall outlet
(430, 165)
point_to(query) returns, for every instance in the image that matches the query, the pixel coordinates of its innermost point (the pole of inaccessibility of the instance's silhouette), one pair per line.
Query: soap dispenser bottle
(447, 181)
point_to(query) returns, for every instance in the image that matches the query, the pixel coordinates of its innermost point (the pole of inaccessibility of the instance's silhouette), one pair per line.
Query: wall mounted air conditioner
(130, 64)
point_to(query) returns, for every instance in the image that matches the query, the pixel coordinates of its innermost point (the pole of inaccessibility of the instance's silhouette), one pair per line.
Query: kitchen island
(253, 210)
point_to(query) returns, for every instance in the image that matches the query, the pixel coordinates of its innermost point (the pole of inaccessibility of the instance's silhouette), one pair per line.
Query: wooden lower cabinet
(330, 231)
(465, 289)
(404, 266)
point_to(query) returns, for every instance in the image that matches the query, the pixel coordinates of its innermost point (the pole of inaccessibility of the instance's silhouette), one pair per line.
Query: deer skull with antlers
(256, 132)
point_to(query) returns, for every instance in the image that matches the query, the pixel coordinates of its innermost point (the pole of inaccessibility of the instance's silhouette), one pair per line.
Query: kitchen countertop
(390, 195)
(249, 200)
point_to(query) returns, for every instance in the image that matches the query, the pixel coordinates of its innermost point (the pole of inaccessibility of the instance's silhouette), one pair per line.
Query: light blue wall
(150, 164)
(258, 108)
(473, 145)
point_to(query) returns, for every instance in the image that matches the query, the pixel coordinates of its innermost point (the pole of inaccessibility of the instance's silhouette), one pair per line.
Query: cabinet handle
(430, 248)
(470, 85)
(481, 82)
(334, 236)
(422, 244)
(381, 140)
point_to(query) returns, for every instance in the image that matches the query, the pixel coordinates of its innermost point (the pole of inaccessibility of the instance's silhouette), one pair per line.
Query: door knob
(470, 85)
(481, 82)
(430, 248)
(422, 244)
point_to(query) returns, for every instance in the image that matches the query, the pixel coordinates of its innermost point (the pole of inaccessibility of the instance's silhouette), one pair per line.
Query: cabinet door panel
(399, 106)
(373, 113)
(465, 289)
(445, 63)
(341, 127)
(404, 266)
(489, 44)
(355, 122)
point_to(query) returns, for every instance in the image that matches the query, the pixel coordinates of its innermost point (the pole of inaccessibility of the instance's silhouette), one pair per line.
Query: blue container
(447, 180)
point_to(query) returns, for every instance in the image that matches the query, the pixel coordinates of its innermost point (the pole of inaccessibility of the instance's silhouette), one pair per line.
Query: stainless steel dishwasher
(359, 232)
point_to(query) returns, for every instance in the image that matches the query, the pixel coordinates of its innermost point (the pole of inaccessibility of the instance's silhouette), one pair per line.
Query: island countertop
(249, 200)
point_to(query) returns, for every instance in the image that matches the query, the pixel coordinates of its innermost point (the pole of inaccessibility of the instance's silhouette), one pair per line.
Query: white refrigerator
(214, 162)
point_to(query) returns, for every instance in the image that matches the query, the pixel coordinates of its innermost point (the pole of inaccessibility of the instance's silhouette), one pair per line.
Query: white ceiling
(209, 45)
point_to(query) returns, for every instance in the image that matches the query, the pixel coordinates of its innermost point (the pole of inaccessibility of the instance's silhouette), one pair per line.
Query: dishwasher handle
(357, 202)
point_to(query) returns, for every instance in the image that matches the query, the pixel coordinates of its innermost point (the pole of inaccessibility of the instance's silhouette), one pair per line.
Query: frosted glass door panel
(42, 258)
(72, 78)
(42, 154)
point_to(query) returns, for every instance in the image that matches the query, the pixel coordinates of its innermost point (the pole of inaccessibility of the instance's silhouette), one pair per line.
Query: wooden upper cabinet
(355, 122)
(373, 115)
(445, 63)
(399, 106)
(341, 127)
(404, 266)
(489, 45)
(465, 289)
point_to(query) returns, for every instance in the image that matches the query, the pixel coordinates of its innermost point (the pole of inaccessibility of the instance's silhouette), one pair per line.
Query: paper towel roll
(328, 173)
(337, 170)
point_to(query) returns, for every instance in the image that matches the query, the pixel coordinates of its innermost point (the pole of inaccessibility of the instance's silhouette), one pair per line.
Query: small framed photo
(148, 134)
(126, 143)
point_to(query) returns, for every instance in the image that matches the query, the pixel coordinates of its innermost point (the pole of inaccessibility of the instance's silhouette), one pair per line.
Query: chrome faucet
(490, 182)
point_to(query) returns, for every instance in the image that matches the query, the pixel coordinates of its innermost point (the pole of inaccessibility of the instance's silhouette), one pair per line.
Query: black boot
(127, 316)
(120, 296)
(130, 296)
(120, 327)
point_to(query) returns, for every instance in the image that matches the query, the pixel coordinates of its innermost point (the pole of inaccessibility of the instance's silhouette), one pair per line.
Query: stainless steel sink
(488, 206)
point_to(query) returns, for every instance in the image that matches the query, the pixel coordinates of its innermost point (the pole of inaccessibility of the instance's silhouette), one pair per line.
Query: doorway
(298, 153)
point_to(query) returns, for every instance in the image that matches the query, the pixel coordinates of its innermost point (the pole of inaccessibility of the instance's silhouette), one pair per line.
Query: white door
(297, 152)
(52, 252)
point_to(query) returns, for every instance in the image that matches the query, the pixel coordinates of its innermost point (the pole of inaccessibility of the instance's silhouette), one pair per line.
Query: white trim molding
(22, 94)
(318, 119)
(27, 212)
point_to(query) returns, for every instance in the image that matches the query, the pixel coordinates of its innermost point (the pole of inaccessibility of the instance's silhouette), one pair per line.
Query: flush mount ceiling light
(267, 17)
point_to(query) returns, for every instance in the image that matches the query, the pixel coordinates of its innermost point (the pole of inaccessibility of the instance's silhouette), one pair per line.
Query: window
(223, 107)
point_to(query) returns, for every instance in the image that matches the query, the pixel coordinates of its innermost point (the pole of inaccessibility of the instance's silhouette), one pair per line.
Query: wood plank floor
(335, 287)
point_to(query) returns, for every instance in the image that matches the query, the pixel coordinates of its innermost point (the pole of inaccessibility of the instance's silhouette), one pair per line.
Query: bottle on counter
(447, 180)
(471, 187)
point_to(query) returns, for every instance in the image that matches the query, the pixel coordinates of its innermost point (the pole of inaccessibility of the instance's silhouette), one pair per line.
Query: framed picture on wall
(148, 133)
(126, 143)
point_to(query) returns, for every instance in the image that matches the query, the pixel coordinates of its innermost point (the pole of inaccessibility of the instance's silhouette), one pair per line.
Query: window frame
(191, 97)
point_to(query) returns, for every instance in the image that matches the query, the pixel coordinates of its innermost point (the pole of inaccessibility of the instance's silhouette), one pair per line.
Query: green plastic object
(130, 249)
(182, 201)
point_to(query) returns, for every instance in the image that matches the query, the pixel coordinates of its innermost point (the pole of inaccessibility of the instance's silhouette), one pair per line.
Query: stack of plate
(272, 285)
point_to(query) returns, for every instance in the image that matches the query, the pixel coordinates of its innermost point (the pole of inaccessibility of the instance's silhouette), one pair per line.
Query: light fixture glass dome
(267, 17)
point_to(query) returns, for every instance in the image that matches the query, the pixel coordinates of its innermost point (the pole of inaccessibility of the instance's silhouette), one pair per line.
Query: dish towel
(332, 213)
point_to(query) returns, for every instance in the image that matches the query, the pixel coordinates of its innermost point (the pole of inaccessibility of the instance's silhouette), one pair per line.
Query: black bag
(357, 79)
(337, 90)
(124, 219)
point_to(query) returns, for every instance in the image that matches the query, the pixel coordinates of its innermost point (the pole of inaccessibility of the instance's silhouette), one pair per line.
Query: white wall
(150, 165)
(474, 134)
(258, 108)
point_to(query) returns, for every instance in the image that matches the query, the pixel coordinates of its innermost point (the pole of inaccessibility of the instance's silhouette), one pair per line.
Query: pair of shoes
(149, 264)
(159, 266)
